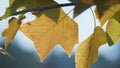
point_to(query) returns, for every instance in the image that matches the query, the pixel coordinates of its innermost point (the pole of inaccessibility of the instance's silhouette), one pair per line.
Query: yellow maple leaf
(46, 33)
(87, 52)
(11, 31)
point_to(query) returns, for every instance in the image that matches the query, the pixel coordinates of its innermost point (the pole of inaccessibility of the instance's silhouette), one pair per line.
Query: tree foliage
(52, 26)
(46, 33)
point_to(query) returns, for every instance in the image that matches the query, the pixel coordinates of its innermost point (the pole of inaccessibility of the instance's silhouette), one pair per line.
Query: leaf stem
(44, 8)
(93, 17)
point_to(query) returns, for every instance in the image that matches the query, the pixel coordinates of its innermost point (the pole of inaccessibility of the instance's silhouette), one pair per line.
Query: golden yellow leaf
(11, 31)
(87, 52)
(113, 29)
(46, 33)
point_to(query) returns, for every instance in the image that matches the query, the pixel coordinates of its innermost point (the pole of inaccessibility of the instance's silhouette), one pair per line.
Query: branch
(44, 8)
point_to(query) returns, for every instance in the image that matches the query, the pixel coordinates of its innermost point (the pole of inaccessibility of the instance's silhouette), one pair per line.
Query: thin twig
(67, 14)
(44, 8)
(93, 17)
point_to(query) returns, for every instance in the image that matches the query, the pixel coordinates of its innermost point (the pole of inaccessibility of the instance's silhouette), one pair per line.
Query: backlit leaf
(117, 15)
(11, 2)
(14, 5)
(11, 31)
(42, 4)
(107, 14)
(113, 29)
(26, 4)
(46, 33)
(81, 5)
(87, 52)
(104, 8)
(103, 5)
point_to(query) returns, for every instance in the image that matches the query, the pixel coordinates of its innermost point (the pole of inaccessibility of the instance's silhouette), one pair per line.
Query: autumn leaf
(105, 9)
(103, 5)
(49, 12)
(81, 5)
(117, 16)
(46, 33)
(107, 14)
(113, 29)
(25, 4)
(87, 52)
(11, 31)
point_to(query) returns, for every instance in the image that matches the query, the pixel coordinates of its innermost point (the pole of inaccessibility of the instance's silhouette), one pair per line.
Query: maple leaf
(11, 31)
(46, 33)
(27, 4)
(87, 52)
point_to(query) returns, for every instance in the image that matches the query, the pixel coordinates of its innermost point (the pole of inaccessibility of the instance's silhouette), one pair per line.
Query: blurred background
(24, 54)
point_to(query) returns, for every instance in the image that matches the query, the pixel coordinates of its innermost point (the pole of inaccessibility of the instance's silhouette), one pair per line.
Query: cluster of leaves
(53, 26)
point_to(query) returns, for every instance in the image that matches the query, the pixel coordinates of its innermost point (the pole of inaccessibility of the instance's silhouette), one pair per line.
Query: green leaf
(14, 5)
(29, 4)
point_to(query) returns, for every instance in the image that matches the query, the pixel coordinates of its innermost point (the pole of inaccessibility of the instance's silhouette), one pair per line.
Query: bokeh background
(24, 54)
